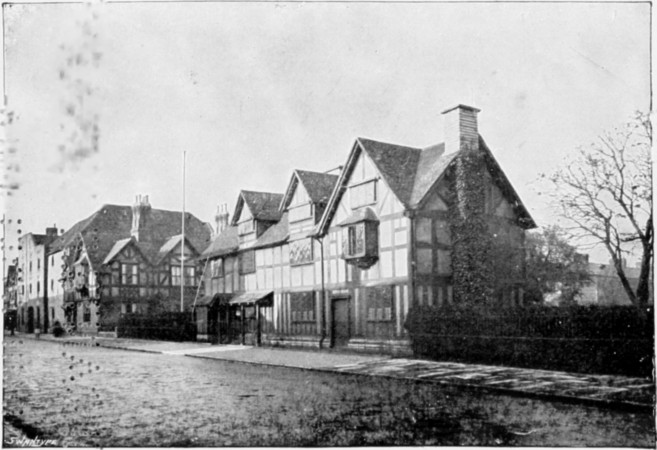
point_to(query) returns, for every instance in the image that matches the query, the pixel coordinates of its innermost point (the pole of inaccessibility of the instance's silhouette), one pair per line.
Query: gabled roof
(116, 249)
(113, 223)
(397, 164)
(170, 245)
(318, 185)
(411, 173)
(262, 205)
(507, 188)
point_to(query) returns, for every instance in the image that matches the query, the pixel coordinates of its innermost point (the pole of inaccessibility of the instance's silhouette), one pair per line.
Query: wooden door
(340, 326)
(30, 320)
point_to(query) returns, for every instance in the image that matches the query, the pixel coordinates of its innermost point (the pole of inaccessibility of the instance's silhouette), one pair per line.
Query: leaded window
(247, 262)
(301, 252)
(302, 305)
(129, 274)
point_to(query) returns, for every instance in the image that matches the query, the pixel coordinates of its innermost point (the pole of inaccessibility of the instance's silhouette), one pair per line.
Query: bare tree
(606, 194)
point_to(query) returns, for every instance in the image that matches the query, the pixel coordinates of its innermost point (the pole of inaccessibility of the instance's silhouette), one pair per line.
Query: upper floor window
(176, 275)
(217, 267)
(247, 262)
(360, 238)
(355, 241)
(363, 194)
(129, 274)
(246, 227)
(38, 263)
(190, 276)
(301, 251)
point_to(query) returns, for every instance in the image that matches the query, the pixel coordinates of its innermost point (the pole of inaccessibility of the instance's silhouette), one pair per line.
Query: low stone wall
(395, 347)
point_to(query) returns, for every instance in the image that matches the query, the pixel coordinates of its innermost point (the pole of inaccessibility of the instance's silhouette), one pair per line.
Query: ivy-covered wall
(472, 270)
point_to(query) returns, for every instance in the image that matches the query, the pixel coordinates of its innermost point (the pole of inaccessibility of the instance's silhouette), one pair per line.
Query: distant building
(124, 259)
(34, 311)
(10, 295)
(337, 261)
(605, 287)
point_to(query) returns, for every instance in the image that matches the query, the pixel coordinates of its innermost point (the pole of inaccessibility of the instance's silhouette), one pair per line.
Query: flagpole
(182, 242)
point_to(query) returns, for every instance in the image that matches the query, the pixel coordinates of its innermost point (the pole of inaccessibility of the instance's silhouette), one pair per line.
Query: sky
(252, 91)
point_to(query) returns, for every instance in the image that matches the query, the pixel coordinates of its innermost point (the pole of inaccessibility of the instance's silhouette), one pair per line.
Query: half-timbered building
(345, 256)
(125, 259)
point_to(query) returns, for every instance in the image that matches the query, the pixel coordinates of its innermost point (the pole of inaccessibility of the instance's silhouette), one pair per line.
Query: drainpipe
(411, 260)
(323, 299)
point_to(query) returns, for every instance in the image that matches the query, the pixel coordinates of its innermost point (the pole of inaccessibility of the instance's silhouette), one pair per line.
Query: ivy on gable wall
(472, 270)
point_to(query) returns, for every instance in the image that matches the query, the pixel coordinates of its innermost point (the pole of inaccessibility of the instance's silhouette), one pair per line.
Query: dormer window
(360, 238)
(363, 194)
(246, 227)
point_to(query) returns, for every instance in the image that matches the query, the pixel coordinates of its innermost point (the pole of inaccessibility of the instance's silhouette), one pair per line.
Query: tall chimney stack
(139, 213)
(221, 218)
(461, 128)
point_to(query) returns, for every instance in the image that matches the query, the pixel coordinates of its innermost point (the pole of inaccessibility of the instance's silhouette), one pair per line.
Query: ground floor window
(302, 306)
(380, 304)
(86, 313)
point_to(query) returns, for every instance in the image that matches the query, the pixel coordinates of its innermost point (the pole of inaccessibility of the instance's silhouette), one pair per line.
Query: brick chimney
(221, 218)
(461, 128)
(139, 215)
(51, 232)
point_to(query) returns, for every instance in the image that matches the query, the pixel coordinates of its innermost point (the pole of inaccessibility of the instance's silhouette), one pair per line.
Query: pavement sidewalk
(631, 393)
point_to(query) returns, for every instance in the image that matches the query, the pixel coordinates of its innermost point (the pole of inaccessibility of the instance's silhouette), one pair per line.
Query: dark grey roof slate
(263, 205)
(112, 223)
(318, 185)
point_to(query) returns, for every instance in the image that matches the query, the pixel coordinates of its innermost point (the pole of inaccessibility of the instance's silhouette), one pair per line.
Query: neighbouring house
(605, 287)
(125, 259)
(32, 287)
(338, 260)
(10, 295)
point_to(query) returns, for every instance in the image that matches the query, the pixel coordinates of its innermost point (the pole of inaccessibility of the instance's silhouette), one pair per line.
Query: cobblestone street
(82, 395)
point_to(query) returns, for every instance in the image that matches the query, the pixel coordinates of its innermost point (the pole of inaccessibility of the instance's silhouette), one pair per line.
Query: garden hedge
(169, 326)
(586, 339)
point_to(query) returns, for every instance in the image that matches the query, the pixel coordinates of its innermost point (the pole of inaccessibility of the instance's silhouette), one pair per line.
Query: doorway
(30, 320)
(340, 325)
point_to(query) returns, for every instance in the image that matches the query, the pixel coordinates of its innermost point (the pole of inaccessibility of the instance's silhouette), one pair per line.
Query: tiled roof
(227, 242)
(318, 185)
(275, 234)
(412, 172)
(431, 165)
(111, 223)
(360, 215)
(263, 205)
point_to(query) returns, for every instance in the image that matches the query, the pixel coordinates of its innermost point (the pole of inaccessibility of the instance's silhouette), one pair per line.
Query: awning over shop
(251, 298)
